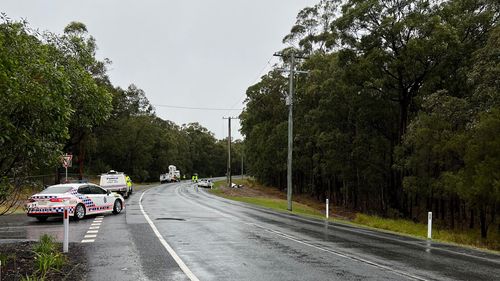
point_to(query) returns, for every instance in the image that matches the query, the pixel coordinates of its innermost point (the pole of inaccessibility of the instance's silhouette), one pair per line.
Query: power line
(255, 80)
(196, 108)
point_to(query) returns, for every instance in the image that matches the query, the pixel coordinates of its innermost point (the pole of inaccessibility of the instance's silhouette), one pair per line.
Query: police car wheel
(42, 219)
(117, 207)
(79, 212)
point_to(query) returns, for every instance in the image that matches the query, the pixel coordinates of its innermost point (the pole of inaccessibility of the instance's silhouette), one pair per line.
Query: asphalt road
(219, 239)
(180, 232)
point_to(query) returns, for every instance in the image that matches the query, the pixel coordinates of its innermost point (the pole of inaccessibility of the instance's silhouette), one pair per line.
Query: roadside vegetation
(56, 98)
(253, 193)
(42, 260)
(398, 115)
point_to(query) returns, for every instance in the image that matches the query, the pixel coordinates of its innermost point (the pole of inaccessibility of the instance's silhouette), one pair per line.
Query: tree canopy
(397, 113)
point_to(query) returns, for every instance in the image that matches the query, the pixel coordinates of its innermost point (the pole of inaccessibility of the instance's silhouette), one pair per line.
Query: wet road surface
(212, 238)
(219, 239)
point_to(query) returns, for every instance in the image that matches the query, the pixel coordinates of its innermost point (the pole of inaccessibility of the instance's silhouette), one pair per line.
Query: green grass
(401, 226)
(47, 257)
(462, 237)
(271, 203)
(277, 204)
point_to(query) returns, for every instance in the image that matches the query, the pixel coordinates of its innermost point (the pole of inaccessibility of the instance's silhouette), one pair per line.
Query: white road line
(169, 249)
(395, 271)
(364, 230)
(88, 240)
(374, 264)
(94, 227)
(97, 220)
(93, 231)
(95, 224)
(90, 236)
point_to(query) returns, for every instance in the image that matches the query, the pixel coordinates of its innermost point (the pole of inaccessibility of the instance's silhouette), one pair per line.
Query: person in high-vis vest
(129, 184)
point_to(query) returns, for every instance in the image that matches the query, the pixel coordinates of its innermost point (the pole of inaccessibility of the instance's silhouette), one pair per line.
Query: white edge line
(374, 264)
(169, 249)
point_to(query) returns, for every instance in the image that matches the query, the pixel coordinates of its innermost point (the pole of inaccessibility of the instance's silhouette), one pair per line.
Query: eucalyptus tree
(35, 110)
(89, 98)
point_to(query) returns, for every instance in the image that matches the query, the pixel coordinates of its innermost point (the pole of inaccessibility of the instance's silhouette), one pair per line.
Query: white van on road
(116, 182)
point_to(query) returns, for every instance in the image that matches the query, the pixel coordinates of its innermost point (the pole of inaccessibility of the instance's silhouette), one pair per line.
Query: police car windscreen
(56, 189)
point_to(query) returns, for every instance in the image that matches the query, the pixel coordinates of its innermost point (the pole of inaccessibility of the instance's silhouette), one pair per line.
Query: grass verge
(461, 237)
(399, 226)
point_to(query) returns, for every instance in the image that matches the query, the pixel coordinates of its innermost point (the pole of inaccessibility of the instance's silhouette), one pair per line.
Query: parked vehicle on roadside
(81, 199)
(116, 182)
(173, 175)
(205, 183)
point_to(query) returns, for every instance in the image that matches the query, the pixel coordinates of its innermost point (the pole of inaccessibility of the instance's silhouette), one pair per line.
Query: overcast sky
(200, 54)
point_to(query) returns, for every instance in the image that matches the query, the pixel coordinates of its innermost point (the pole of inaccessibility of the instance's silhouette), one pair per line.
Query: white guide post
(327, 207)
(429, 225)
(66, 227)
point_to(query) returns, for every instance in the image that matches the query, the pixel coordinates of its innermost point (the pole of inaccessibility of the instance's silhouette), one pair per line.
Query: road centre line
(169, 249)
(278, 233)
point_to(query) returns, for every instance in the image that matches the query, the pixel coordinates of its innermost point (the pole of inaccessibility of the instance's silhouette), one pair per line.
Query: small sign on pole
(66, 160)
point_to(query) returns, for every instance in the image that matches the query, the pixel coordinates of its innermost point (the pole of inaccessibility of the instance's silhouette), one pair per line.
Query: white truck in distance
(172, 175)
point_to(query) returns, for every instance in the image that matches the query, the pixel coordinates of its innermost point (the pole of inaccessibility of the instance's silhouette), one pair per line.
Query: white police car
(81, 199)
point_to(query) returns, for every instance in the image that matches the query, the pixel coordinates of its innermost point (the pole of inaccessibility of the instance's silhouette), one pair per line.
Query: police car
(81, 199)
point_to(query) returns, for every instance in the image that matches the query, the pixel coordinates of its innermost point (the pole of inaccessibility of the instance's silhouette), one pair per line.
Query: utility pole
(229, 180)
(289, 102)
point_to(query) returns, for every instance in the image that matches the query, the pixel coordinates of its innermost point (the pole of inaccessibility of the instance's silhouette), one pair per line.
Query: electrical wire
(196, 108)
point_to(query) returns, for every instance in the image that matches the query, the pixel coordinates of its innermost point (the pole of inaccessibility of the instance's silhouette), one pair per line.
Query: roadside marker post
(327, 207)
(429, 225)
(66, 227)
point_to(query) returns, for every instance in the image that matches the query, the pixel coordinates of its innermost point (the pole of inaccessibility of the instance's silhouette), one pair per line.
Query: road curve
(219, 239)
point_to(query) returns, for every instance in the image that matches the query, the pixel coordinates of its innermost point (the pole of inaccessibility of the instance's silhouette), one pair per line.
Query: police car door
(98, 195)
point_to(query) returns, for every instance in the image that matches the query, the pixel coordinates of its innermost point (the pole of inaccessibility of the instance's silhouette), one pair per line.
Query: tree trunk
(452, 214)
(471, 222)
(443, 210)
(482, 222)
(81, 159)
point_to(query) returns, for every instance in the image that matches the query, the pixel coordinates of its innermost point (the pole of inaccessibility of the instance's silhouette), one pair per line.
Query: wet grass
(469, 238)
(270, 203)
(461, 237)
(278, 204)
